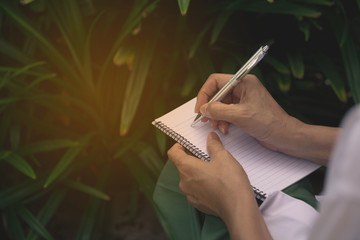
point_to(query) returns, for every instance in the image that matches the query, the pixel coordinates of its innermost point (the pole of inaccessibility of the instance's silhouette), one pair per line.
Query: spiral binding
(183, 141)
(196, 151)
(259, 194)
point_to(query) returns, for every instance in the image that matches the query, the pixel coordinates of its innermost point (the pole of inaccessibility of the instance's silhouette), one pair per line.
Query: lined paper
(267, 170)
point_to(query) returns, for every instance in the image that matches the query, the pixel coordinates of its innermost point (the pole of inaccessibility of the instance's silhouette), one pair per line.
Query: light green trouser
(184, 222)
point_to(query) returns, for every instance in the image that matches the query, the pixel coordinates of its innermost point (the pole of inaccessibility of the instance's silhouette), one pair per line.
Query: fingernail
(203, 110)
(212, 135)
(222, 129)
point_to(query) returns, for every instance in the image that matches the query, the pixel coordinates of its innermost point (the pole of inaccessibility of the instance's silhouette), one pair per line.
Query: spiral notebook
(268, 171)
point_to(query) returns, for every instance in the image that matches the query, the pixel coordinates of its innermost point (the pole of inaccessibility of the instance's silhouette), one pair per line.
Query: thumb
(214, 144)
(221, 111)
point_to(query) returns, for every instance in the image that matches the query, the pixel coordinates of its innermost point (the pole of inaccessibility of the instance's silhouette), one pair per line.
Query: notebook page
(267, 170)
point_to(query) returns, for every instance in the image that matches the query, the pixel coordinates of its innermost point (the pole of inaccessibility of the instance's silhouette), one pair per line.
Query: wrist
(246, 222)
(311, 142)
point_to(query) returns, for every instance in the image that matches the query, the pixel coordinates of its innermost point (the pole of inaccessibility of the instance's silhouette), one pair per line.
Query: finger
(214, 144)
(213, 123)
(176, 153)
(220, 111)
(212, 85)
(223, 127)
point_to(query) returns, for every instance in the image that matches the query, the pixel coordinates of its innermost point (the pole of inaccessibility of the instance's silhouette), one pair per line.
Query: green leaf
(48, 211)
(8, 49)
(25, 2)
(296, 63)
(318, 2)
(47, 145)
(220, 22)
(65, 160)
(88, 190)
(91, 214)
(14, 225)
(277, 7)
(136, 83)
(20, 164)
(283, 80)
(40, 79)
(19, 191)
(8, 100)
(350, 55)
(14, 135)
(277, 65)
(358, 3)
(183, 5)
(33, 222)
(27, 68)
(198, 40)
(150, 158)
(43, 43)
(134, 19)
(138, 171)
(188, 85)
(305, 28)
(332, 74)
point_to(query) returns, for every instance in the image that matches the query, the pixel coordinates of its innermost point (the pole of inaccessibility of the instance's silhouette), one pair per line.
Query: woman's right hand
(249, 106)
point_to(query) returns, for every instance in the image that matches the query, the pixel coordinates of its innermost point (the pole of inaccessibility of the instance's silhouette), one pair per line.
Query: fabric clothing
(340, 208)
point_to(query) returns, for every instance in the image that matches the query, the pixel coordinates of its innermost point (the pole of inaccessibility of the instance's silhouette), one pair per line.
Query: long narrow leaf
(318, 2)
(88, 190)
(48, 211)
(40, 79)
(20, 164)
(90, 216)
(131, 22)
(66, 159)
(350, 55)
(183, 5)
(277, 65)
(150, 158)
(17, 192)
(9, 50)
(26, 68)
(198, 40)
(296, 63)
(14, 226)
(136, 83)
(34, 223)
(44, 44)
(220, 22)
(332, 75)
(143, 178)
(277, 7)
(47, 145)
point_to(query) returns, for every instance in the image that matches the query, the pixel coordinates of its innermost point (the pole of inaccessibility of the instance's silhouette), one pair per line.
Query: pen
(234, 80)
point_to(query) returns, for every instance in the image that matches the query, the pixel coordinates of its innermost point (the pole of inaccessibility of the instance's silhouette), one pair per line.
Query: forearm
(246, 222)
(311, 142)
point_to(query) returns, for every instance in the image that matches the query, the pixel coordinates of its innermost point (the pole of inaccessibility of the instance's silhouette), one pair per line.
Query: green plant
(73, 75)
(312, 67)
(81, 81)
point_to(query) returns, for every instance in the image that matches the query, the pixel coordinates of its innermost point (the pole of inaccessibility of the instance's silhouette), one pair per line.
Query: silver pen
(234, 80)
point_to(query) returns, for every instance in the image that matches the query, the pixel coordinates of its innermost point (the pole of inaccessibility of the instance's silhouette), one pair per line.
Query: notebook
(268, 171)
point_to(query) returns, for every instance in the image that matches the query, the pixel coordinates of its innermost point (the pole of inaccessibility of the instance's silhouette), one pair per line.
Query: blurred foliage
(81, 81)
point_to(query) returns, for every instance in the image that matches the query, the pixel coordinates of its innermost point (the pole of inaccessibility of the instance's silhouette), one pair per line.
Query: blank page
(267, 170)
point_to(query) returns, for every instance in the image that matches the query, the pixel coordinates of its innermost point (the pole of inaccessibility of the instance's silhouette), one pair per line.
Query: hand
(249, 106)
(212, 186)
(221, 188)
(252, 108)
